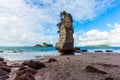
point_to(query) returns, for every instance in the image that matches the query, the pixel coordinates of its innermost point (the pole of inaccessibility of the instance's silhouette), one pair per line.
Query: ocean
(27, 53)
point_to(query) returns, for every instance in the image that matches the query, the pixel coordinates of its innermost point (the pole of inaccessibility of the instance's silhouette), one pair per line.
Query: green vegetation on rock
(44, 44)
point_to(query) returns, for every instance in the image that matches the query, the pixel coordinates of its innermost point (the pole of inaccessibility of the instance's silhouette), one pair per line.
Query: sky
(30, 22)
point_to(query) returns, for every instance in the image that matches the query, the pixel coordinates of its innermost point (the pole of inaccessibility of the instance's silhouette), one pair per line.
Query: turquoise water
(92, 49)
(25, 53)
(26, 49)
(49, 49)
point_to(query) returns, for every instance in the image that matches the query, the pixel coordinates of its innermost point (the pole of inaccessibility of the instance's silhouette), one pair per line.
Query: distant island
(103, 45)
(44, 44)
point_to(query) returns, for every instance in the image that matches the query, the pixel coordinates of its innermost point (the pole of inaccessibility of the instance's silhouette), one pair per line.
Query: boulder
(84, 50)
(36, 64)
(94, 70)
(1, 59)
(99, 51)
(3, 72)
(51, 60)
(3, 62)
(23, 70)
(109, 51)
(25, 76)
(5, 67)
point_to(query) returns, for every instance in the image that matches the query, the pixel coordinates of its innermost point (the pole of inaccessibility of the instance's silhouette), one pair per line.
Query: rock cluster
(28, 69)
(4, 70)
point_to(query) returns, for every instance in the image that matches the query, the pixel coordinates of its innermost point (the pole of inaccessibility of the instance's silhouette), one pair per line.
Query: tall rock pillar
(65, 43)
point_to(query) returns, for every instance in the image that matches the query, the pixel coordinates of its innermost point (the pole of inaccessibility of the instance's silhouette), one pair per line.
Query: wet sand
(72, 67)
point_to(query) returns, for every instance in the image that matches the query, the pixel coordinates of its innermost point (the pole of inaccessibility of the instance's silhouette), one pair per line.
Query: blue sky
(28, 22)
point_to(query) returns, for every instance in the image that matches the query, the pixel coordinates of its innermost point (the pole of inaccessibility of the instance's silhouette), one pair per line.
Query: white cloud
(96, 37)
(5, 19)
(80, 9)
(109, 25)
(28, 23)
(22, 25)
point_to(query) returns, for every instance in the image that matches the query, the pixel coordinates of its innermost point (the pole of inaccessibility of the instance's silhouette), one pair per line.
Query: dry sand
(72, 67)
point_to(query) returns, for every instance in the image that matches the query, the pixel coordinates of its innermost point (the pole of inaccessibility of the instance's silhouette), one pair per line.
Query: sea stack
(65, 43)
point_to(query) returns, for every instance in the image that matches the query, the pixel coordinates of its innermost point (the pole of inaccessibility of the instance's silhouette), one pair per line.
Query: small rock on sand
(94, 70)
(51, 60)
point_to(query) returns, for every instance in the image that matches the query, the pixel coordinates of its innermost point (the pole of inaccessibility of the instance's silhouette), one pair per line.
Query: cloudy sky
(28, 22)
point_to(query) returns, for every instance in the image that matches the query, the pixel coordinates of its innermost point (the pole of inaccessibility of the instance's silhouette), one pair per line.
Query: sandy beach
(72, 67)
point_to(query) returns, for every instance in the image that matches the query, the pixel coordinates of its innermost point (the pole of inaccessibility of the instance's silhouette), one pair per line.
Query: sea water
(92, 49)
(27, 53)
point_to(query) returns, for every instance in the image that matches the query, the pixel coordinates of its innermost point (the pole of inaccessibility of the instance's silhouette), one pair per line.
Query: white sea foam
(27, 55)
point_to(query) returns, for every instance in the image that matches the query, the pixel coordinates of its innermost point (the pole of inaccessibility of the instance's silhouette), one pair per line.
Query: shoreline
(72, 67)
(12, 53)
(42, 55)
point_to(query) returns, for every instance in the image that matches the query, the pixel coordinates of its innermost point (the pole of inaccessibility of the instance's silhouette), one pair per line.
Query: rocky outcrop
(66, 42)
(44, 44)
(28, 69)
(4, 69)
